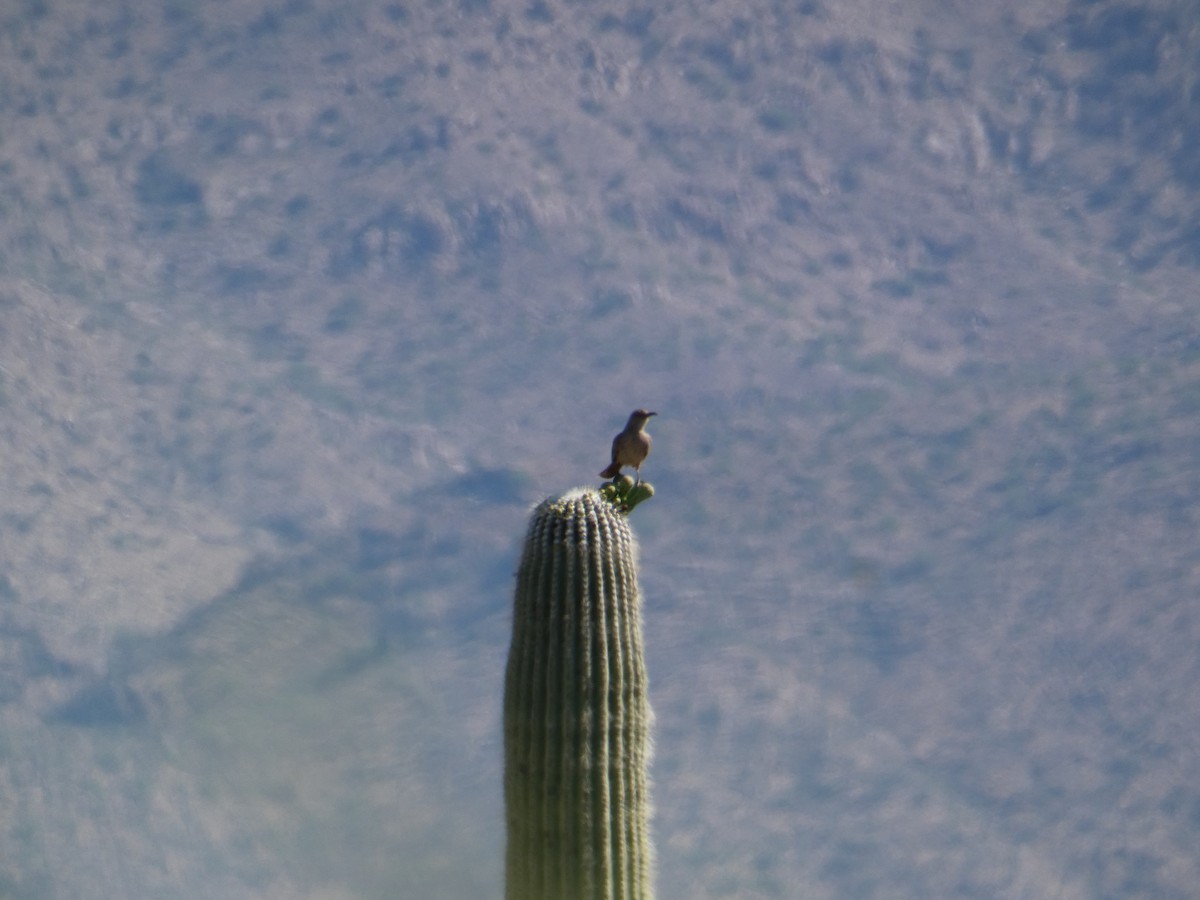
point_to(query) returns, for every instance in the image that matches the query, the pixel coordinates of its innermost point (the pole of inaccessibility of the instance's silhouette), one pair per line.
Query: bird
(631, 446)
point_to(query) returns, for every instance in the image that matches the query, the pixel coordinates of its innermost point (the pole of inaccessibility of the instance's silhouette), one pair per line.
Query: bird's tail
(612, 471)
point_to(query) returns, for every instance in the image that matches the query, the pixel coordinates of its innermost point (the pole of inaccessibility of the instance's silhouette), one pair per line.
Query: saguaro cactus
(576, 714)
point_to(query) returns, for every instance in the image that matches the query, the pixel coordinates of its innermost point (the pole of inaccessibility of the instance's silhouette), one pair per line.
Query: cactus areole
(576, 714)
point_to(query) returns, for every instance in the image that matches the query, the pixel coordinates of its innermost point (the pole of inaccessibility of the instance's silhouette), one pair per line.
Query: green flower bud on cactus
(623, 493)
(576, 712)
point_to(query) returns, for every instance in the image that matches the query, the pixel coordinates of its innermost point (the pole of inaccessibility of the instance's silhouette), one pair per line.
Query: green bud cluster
(624, 493)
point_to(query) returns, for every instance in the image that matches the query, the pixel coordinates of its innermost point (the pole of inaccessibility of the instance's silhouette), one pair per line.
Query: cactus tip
(624, 493)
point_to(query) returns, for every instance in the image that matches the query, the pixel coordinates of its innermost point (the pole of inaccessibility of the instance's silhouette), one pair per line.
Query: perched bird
(631, 446)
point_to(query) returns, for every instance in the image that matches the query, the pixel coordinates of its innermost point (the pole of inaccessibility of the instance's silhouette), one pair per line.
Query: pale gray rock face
(304, 304)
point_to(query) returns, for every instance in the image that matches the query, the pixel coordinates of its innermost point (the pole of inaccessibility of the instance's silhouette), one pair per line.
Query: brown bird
(631, 446)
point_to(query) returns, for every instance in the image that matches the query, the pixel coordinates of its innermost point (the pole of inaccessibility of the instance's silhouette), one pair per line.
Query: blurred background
(303, 304)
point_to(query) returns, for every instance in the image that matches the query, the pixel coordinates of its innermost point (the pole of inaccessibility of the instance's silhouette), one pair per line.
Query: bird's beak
(648, 415)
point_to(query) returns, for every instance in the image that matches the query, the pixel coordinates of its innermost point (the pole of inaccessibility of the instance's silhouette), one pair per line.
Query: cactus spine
(576, 713)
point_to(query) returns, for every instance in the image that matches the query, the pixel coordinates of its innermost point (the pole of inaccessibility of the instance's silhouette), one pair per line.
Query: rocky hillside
(302, 304)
